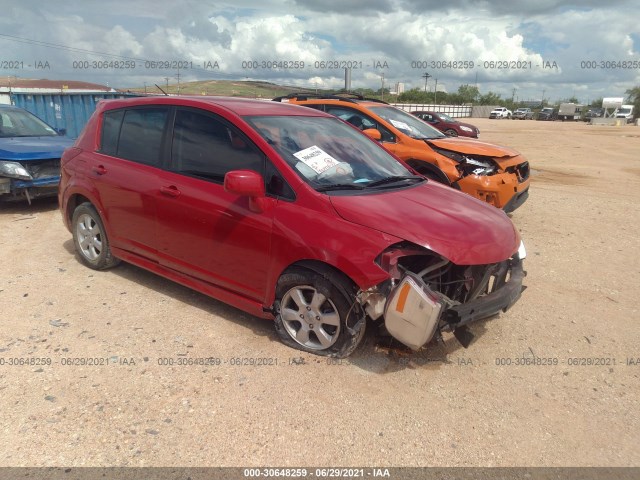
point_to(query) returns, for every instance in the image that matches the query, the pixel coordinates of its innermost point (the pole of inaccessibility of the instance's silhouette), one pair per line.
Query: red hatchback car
(448, 125)
(289, 214)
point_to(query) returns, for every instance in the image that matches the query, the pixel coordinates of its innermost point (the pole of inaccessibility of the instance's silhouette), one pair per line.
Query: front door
(203, 230)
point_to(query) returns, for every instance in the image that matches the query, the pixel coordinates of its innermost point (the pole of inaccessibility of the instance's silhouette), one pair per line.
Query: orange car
(494, 174)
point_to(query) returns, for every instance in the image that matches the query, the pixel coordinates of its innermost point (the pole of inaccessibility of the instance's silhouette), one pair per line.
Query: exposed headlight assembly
(483, 167)
(14, 170)
(466, 129)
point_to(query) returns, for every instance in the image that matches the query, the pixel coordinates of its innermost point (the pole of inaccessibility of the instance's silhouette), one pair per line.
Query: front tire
(315, 315)
(451, 132)
(90, 238)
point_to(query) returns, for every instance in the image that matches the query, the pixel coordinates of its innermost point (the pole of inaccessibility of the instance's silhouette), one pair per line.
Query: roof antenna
(161, 89)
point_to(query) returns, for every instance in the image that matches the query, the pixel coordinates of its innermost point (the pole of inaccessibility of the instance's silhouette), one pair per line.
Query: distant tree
(490, 99)
(468, 93)
(365, 92)
(415, 95)
(597, 102)
(633, 97)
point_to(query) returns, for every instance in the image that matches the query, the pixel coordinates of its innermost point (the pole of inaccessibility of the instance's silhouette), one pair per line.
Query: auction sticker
(316, 158)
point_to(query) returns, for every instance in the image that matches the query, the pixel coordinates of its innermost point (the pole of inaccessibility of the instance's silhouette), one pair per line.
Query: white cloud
(393, 31)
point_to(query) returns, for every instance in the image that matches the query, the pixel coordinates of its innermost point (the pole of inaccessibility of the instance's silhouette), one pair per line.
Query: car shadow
(382, 354)
(45, 204)
(208, 305)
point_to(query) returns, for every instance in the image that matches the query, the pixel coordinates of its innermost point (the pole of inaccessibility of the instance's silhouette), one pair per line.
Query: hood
(457, 226)
(21, 149)
(473, 147)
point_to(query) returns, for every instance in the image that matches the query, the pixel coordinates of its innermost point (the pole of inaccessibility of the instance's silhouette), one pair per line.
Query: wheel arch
(73, 202)
(333, 274)
(426, 168)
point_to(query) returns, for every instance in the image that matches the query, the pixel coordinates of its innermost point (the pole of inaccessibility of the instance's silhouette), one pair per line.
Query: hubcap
(310, 318)
(89, 237)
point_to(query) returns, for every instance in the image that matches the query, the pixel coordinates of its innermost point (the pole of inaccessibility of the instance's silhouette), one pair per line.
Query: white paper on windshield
(316, 158)
(401, 125)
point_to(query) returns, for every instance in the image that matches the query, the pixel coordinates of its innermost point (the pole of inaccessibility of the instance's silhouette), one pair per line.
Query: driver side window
(206, 147)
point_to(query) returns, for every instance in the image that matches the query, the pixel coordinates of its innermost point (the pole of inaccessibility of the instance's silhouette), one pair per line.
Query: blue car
(30, 152)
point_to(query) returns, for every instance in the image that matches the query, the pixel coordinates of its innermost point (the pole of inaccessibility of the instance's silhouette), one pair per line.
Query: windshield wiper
(393, 179)
(339, 186)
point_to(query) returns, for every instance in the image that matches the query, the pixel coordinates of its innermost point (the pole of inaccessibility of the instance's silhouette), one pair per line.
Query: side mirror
(247, 183)
(373, 134)
(61, 131)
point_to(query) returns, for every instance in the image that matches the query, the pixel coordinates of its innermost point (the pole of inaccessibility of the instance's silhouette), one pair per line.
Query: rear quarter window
(141, 134)
(111, 123)
(134, 134)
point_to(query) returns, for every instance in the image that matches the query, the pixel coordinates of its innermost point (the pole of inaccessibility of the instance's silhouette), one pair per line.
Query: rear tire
(90, 238)
(314, 314)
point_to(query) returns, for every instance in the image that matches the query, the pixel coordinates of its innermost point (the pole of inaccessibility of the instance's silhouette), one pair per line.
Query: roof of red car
(239, 106)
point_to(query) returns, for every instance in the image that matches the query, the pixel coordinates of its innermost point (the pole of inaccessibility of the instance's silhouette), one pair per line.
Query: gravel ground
(574, 403)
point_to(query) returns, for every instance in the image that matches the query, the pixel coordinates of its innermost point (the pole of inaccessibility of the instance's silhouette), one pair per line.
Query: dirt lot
(575, 401)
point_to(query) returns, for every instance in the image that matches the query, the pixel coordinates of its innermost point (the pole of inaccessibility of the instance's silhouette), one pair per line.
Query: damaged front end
(20, 180)
(427, 294)
(501, 181)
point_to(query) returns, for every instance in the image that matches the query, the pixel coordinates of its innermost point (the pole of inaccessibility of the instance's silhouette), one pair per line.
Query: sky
(521, 49)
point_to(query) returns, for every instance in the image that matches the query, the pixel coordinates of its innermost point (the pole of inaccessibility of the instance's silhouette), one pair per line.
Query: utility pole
(513, 94)
(166, 79)
(178, 77)
(426, 78)
(382, 88)
(542, 101)
(435, 93)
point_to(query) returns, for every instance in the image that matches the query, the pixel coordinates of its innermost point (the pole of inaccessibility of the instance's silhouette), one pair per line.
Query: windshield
(330, 155)
(15, 122)
(406, 123)
(624, 110)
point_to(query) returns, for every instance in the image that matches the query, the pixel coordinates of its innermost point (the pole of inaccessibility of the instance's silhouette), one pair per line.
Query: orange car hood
(471, 147)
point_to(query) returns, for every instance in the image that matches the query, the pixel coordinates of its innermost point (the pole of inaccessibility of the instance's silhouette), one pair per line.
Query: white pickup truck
(500, 112)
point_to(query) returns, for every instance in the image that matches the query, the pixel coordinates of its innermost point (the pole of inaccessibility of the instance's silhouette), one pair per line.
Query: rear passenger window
(206, 147)
(141, 135)
(111, 122)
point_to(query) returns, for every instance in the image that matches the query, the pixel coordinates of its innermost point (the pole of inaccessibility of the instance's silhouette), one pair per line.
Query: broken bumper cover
(517, 200)
(414, 312)
(499, 301)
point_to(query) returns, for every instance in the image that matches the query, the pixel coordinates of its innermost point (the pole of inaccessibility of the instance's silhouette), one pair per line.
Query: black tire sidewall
(105, 259)
(347, 341)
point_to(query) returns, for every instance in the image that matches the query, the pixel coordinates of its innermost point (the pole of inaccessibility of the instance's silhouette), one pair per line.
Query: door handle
(170, 191)
(100, 170)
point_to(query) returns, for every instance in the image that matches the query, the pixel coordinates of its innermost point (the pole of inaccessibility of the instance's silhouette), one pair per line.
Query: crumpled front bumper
(499, 301)
(413, 312)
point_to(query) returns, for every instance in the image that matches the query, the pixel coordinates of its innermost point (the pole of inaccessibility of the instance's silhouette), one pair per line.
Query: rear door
(125, 173)
(204, 231)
